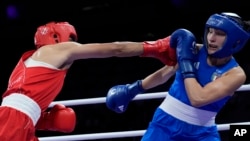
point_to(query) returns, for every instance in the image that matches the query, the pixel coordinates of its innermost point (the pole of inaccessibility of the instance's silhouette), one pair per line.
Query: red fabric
(39, 83)
(15, 126)
(59, 118)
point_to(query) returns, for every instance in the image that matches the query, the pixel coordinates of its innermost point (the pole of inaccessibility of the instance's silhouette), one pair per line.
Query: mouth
(212, 47)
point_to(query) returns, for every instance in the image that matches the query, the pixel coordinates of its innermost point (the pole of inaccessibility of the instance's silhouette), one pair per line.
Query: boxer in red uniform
(39, 77)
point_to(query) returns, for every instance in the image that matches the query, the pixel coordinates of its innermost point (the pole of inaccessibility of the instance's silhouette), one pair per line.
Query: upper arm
(67, 52)
(224, 86)
(57, 55)
(76, 51)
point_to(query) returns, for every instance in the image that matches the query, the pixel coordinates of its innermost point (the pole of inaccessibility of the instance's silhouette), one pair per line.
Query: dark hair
(246, 25)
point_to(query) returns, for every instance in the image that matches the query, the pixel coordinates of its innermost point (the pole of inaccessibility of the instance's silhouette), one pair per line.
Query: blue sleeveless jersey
(205, 74)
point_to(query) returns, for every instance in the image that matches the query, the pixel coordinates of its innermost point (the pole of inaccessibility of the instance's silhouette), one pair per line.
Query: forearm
(159, 77)
(104, 50)
(195, 92)
(127, 49)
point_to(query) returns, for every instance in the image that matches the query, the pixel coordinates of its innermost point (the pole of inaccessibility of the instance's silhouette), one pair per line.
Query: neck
(218, 61)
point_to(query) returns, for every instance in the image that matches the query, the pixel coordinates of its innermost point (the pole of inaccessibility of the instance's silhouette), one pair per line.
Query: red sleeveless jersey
(39, 83)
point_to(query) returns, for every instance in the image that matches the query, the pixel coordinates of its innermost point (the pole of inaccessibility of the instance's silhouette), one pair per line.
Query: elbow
(198, 97)
(197, 102)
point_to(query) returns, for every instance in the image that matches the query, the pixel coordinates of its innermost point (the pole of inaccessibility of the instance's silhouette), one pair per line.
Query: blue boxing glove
(119, 96)
(185, 43)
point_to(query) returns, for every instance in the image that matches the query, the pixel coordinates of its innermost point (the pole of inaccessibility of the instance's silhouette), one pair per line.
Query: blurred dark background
(115, 20)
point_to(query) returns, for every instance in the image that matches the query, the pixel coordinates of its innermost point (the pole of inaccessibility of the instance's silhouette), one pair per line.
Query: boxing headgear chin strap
(237, 37)
(54, 32)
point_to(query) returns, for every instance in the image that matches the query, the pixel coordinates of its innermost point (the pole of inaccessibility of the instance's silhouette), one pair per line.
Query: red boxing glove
(59, 118)
(161, 50)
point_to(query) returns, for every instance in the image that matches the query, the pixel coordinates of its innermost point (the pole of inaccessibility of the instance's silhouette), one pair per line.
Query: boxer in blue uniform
(205, 78)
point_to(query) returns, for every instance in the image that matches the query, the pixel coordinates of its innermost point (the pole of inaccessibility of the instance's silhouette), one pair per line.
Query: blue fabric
(164, 127)
(205, 74)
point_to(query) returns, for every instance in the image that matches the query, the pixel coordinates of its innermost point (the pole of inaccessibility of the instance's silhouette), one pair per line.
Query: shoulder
(239, 70)
(237, 73)
(63, 46)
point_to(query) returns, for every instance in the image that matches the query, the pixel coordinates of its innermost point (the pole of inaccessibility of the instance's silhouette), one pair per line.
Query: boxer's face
(215, 39)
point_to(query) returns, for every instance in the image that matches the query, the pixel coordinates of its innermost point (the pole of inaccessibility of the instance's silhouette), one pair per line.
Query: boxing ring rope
(109, 135)
(144, 96)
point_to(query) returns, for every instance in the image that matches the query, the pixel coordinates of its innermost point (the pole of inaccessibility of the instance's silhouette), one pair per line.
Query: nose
(211, 37)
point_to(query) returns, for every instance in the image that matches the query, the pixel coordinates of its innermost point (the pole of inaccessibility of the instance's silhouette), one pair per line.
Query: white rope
(244, 88)
(138, 97)
(103, 99)
(224, 127)
(108, 135)
(94, 136)
(121, 134)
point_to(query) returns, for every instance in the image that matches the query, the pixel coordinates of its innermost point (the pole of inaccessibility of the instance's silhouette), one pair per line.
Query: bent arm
(159, 77)
(224, 86)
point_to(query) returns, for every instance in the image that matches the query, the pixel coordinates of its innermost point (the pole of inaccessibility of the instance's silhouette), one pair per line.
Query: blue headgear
(237, 37)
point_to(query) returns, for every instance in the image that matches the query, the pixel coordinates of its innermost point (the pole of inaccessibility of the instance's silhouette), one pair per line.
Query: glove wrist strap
(187, 69)
(149, 49)
(136, 88)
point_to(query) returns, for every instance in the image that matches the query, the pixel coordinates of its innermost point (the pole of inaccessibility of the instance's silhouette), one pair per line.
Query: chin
(210, 52)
